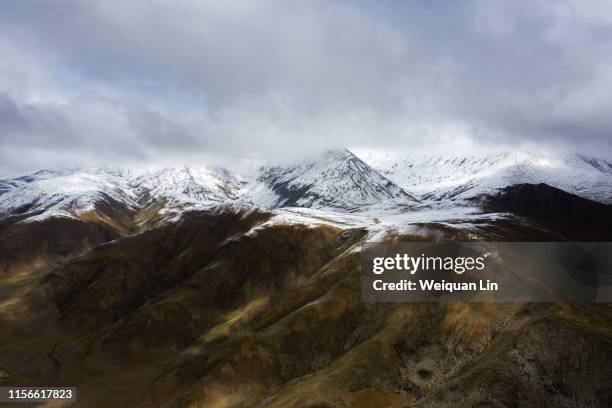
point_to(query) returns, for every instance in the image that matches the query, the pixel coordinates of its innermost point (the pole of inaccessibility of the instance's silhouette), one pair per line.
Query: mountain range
(440, 178)
(339, 181)
(202, 287)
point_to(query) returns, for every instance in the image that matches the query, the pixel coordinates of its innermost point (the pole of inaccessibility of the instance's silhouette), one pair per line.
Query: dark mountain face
(31, 248)
(555, 207)
(218, 309)
(116, 278)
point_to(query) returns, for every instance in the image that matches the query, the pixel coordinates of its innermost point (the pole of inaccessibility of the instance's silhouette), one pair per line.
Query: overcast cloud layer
(127, 82)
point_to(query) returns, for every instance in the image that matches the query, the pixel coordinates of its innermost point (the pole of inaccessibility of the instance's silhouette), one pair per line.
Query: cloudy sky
(122, 82)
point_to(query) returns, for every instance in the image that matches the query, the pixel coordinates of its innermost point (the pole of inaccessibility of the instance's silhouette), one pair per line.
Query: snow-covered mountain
(339, 180)
(74, 192)
(64, 192)
(185, 186)
(456, 178)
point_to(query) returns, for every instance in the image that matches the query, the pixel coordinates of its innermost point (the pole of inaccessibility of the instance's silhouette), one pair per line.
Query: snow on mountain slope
(185, 186)
(72, 192)
(339, 180)
(63, 193)
(448, 178)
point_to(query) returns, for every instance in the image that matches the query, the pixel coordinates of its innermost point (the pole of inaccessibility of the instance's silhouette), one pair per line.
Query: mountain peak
(338, 180)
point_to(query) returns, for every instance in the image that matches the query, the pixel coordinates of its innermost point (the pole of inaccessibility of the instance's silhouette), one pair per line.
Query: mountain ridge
(339, 181)
(436, 178)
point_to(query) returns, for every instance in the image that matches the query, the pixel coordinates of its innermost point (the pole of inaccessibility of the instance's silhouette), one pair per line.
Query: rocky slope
(226, 309)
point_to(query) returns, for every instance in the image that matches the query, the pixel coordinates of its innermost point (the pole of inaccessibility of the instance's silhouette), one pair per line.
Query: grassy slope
(199, 314)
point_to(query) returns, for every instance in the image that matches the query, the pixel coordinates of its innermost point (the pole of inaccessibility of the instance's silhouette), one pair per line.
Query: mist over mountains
(100, 83)
(337, 181)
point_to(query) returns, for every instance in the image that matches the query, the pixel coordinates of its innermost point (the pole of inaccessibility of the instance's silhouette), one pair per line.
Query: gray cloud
(150, 81)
